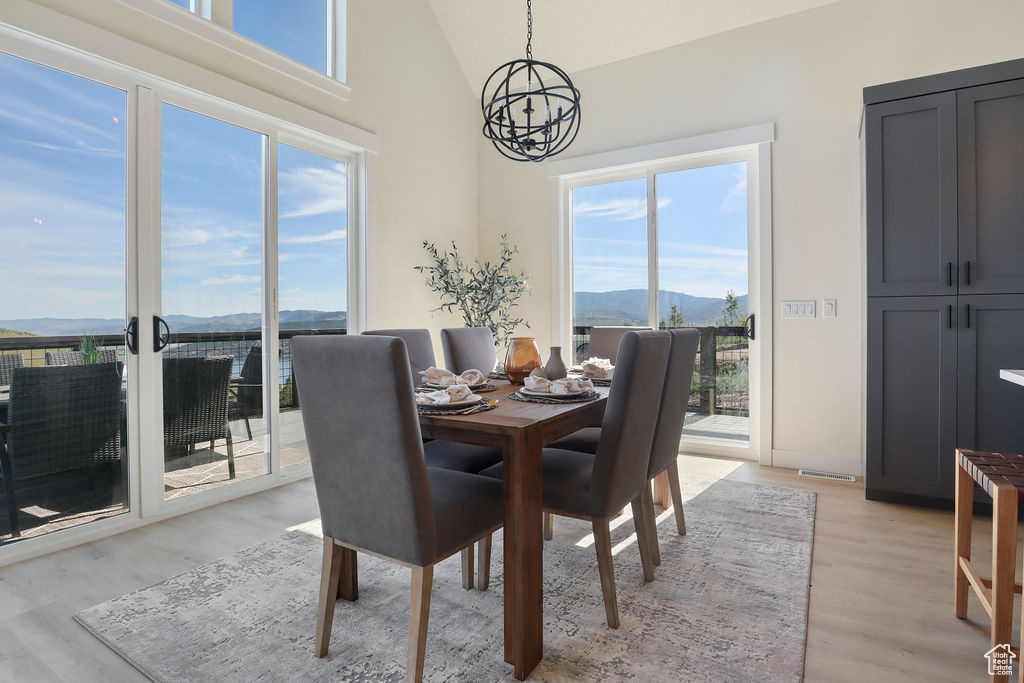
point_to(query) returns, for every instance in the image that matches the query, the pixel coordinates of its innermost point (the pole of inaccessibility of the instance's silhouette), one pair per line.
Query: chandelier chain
(529, 30)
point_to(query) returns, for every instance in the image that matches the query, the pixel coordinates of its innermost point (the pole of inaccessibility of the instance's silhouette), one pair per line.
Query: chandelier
(531, 109)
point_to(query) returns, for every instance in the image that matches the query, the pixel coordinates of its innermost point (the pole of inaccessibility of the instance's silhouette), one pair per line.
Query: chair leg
(348, 583)
(643, 539)
(231, 456)
(329, 575)
(483, 578)
(248, 429)
(467, 567)
(1004, 557)
(12, 507)
(651, 521)
(677, 497)
(964, 505)
(419, 614)
(549, 526)
(662, 496)
(603, 545)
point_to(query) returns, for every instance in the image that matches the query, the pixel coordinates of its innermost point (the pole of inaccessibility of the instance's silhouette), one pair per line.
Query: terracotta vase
(523, 356)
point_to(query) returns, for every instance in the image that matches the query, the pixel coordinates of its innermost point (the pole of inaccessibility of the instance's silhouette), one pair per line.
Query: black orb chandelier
(531, 109)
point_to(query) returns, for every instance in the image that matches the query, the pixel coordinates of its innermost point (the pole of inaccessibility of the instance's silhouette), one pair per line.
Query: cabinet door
(910, 159)
(990, 136)
(990, 338)
(911, 392)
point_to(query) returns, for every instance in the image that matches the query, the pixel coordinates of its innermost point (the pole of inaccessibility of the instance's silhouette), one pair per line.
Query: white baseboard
(817, 461)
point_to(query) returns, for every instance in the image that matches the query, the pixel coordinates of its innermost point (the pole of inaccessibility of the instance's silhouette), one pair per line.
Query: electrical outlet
(828, 308)
(798, 309)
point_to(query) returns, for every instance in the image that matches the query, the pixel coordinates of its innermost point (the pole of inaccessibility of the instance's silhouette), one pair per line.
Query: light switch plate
(798, 309)
(828, 308)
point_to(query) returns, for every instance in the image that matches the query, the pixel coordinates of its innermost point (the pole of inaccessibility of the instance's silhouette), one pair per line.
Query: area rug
(729, 602)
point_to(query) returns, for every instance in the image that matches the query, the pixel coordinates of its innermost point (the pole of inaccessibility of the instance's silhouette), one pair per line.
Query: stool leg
(964, 503)
(1004, 559)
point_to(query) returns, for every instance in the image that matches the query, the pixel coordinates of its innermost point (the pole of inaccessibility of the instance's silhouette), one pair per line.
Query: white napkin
(472, 378)
(439, 377)
(568, 385)
(598, 368)
(441, 396)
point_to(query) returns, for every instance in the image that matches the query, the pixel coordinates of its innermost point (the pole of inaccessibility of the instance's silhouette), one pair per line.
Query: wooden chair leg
(662, 496)
(1004, 559)
(467, 567)
(483, 579)
(549, 526)
(964, 505)
(643, 538)
(348, 583)
(651, 521)
(329, 574)
(419, 615)
(603, 546)
(677, 497)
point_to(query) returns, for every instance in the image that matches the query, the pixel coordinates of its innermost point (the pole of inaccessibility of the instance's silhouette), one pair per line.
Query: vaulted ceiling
(579, 34)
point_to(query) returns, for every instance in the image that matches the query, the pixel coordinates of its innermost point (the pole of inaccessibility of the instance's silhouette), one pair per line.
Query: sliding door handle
(161, 334)
(749, 323)
(131, 336)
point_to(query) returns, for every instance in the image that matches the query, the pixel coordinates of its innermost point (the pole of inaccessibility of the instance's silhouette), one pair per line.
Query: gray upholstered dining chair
(665, 447)
(375, 491)
(417, 344)
(596, 486)
(468, 348)
(8, 362)
(604, 341)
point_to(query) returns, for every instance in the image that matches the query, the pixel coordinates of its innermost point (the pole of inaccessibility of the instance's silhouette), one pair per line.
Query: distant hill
(238, 322)
(14, 333)
(629, 307)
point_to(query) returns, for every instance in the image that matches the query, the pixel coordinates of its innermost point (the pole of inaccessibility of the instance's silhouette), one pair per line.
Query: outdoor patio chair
(196, 404)
(60, 419)
(106, 355)
(8, 362)
(247, 394)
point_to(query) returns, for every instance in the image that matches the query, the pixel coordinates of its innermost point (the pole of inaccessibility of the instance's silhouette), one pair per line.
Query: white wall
(407, 87)
(806, 73)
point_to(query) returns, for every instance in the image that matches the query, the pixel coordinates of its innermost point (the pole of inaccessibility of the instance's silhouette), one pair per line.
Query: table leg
(964, 505)
(524, 546)
(1004, 559)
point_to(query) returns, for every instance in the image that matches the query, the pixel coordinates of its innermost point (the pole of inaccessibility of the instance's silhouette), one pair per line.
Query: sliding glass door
(64, 418)
(668, 246)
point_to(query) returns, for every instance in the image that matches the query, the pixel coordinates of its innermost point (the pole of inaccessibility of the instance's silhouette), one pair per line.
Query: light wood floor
(881, 604)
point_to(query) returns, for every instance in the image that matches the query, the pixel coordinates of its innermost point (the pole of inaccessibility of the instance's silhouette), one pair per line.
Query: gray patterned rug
(729, 603)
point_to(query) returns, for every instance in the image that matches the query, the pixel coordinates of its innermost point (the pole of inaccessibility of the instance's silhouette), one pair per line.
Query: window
(295, 29)
(63, 446)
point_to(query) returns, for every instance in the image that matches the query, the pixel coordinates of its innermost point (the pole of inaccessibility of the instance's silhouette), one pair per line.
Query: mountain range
(629, 307)
(237, 322)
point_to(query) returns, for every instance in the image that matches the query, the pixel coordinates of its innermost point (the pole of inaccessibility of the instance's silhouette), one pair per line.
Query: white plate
(473, 398)
(472, 387)
(548, 394)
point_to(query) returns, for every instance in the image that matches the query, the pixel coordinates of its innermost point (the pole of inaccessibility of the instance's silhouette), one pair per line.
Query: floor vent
(826, 475)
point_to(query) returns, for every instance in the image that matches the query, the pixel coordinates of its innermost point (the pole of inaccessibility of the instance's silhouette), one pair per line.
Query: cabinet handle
(949, 273)
(951, 316)
(967, 312)
(967, 273)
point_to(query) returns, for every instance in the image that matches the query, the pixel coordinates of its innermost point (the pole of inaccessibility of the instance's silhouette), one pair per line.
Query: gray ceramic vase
(555, 368)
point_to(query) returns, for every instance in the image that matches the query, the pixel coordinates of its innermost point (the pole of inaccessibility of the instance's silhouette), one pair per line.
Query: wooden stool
(1002, 477)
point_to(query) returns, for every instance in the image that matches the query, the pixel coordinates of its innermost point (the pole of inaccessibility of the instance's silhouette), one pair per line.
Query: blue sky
(702, 232)
(62, 207)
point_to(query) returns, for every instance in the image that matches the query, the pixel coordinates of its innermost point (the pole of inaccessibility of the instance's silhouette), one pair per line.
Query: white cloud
(312, 239)
(736, 198)
(624, 209)
(232, 280)
(312, 190)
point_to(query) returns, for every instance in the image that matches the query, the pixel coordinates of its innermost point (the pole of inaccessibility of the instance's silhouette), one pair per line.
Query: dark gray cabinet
(944, 191)
(911, 393)
(911, 165)
(990, 139)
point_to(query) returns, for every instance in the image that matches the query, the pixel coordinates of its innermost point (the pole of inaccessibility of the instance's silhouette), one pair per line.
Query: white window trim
(751, 144)
(201, 22)
(29, 31)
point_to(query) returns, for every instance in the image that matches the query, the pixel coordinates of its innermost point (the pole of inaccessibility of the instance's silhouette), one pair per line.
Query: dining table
(520, 430)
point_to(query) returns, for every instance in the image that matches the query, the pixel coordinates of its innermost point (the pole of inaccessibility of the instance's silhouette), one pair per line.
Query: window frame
(752, 145)
(66, 44)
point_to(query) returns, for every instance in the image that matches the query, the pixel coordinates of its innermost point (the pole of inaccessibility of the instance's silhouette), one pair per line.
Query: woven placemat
(582, 398)
(597, 381)
(483, 388)
(481, 406)
(497, 375)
